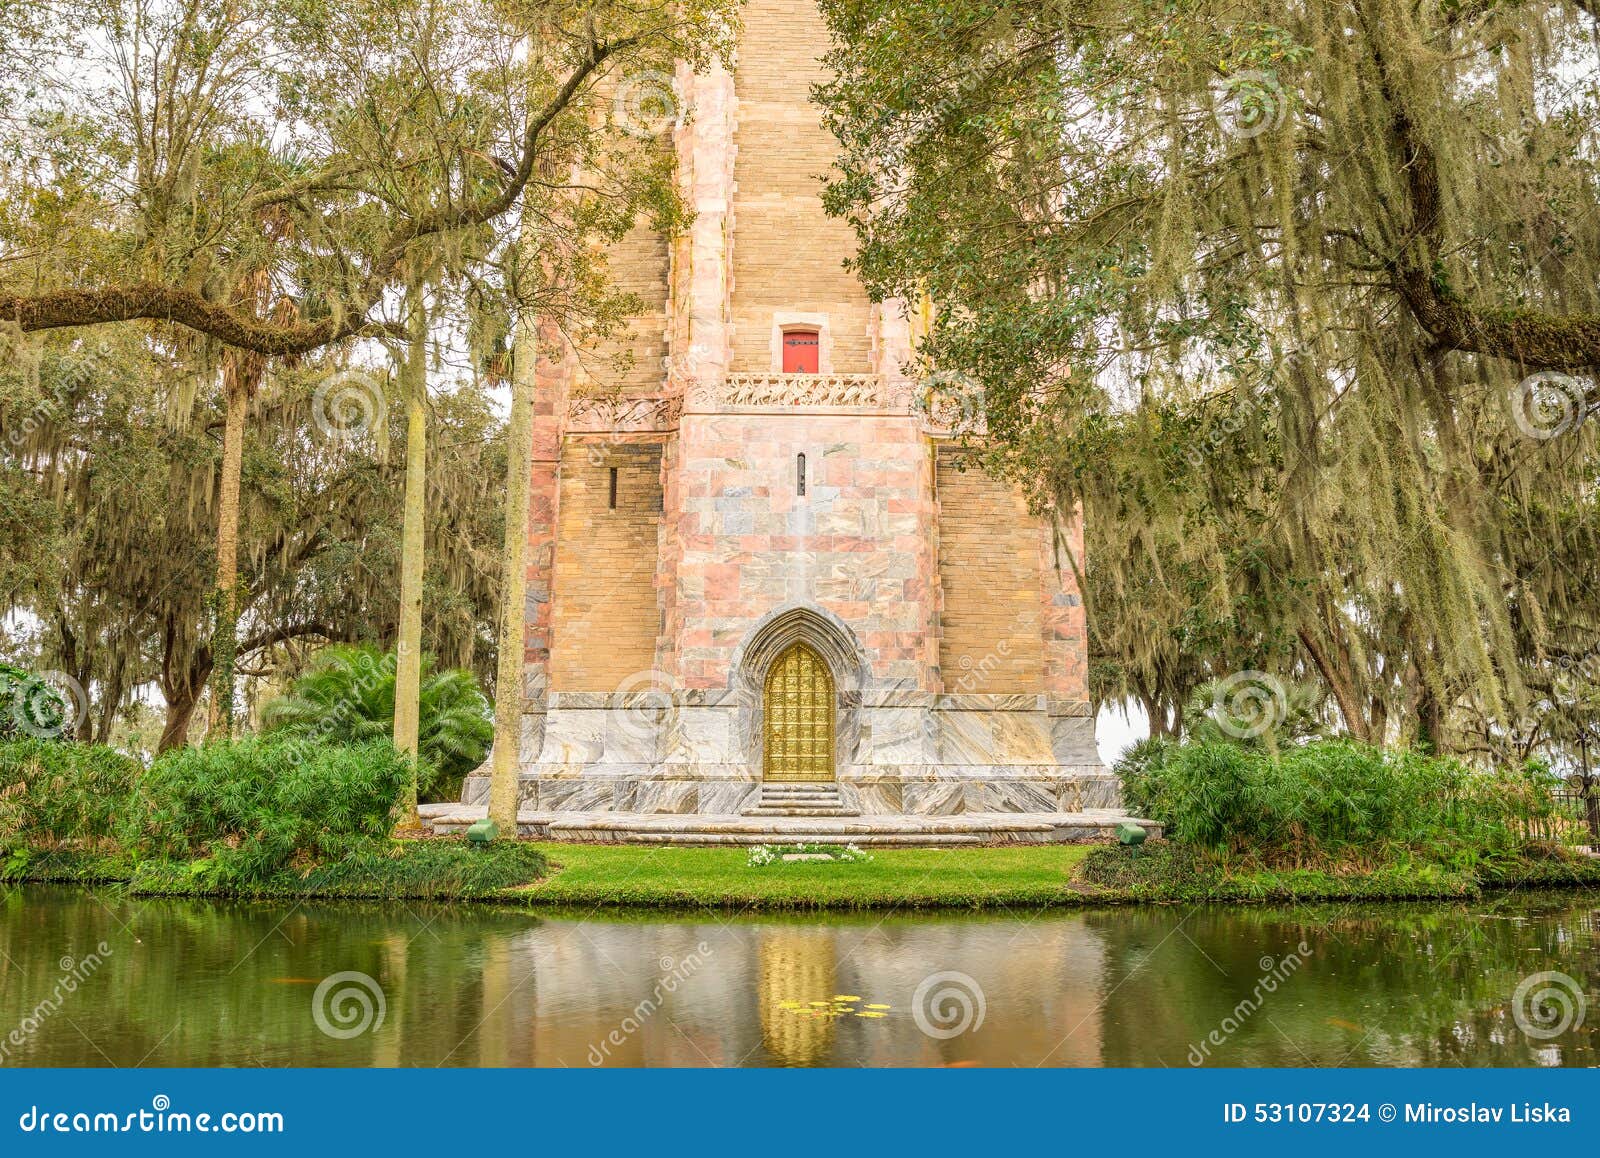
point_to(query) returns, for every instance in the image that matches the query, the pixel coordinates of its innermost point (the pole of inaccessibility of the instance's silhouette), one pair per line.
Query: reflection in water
(796, 994)
(196, 983)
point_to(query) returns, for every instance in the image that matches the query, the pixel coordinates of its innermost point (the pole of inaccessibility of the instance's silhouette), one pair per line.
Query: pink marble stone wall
(739, 542)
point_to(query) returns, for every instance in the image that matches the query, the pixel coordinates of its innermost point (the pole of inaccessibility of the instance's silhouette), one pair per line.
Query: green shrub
(255, 806)
(30, 707)
(1330, 797)
(54, 794)
(347, 697)
(394, 870)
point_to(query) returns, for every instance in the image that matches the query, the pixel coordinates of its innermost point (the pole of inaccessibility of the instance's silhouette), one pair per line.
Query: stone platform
(973, 828)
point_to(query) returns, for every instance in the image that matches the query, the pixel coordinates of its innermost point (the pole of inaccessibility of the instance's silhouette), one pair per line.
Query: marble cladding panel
(605, 736)
(1072, 740)
(897, 736)
(727, 797)
(858, 543)
(966, 738)
(697, 735)
(674, 796)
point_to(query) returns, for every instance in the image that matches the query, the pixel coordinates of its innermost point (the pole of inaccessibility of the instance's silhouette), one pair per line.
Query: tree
(1299, 303)
(408, 670)
(110, 459)
(504, 769)
(134, 185)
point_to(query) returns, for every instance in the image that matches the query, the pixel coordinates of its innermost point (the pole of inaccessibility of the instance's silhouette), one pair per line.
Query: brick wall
(989, 575)
(605, 616)
(787, 251)
(637, 265)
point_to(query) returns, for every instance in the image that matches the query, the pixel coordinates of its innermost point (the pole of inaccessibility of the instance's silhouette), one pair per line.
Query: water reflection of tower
(796, 965)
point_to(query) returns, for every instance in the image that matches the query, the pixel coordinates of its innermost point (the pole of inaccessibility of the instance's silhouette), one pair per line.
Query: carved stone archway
(834, 643)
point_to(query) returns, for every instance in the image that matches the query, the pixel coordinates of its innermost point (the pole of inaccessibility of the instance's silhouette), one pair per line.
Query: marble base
(901, 753)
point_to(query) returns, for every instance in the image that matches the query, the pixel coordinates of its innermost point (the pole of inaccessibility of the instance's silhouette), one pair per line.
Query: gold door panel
(798, 710)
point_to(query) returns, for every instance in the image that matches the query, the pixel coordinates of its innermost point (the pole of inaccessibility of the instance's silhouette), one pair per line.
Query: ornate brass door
(799, 716)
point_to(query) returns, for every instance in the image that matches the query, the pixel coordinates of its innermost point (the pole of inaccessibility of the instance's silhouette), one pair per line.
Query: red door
(800, 351)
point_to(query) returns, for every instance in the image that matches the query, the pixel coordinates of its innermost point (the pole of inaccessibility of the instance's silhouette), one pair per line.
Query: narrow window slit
(800, 474)
(613, 496)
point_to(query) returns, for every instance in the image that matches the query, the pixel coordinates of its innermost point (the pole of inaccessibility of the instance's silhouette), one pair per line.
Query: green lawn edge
(542, 875)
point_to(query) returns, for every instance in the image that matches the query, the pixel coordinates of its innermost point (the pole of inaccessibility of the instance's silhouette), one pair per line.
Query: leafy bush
(54, 794)
(397, 870)
(1330, 797)
(347, 697)
(30, 707)
(253, 807)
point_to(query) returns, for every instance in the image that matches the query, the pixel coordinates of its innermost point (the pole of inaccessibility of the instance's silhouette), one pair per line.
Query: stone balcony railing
(659, 413)
(869, 391)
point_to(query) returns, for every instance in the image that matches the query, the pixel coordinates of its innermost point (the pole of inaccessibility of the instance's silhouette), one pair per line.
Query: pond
(88, 977)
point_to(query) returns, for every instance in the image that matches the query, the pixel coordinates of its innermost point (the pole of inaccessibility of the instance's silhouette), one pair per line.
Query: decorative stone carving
(633, 414)
(950, 406)
(848, 390)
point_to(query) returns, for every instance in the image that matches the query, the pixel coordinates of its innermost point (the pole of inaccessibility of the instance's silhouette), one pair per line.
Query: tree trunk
(238, 381)
(506, 755)
(1343, 693)
(408, 648)
(181, 703)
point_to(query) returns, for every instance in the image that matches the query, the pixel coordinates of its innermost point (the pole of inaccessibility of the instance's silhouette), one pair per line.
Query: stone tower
(754, 558)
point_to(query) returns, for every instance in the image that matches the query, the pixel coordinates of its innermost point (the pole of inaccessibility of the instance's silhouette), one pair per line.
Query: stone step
(800, 800)
(781, 810)
(726, 830)
(703, 839)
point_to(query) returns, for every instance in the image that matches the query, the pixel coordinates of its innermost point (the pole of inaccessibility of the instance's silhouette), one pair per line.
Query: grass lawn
(720, 877)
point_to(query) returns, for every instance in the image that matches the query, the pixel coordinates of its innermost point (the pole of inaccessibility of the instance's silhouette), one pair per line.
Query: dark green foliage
(391, 870)
(1170, 873)
(55, 794)
(253, 807)
(30, 707)
(1331, 798)
(347, 697)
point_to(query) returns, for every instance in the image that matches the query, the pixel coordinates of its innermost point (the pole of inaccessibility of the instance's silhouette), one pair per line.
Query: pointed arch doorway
(798, 709)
